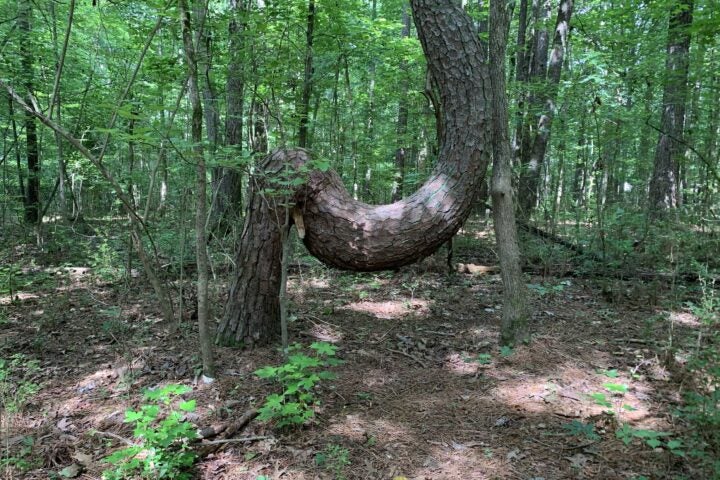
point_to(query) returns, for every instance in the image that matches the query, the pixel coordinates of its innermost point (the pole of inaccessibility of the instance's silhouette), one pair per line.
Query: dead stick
(113, 435)
(422, 364)
(236, 440)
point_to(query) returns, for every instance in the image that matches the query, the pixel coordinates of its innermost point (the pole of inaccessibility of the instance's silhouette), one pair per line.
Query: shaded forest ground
(424, 392)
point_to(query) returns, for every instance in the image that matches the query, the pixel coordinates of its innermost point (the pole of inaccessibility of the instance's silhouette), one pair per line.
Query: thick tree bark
(227, 180)
(345, 233)
(515, 307)
(663, 193)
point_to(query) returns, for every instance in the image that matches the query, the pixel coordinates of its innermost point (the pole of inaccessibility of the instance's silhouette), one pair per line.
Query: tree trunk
(663, 193)
(533, 149)
(402, 120)
(32, 193)
(228, 181)
(304, 106)
(201, 209)
(345, 233)
(516, 314)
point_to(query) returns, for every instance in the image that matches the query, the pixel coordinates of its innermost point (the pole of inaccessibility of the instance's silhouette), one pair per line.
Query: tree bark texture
(228, 181)
(515, 314)
(663, 193)
(345, 233)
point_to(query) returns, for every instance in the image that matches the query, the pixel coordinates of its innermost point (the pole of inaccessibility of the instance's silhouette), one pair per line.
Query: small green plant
(298, 378)
(334, 458)
(651, 437)
(480, 358)
(106, 262)
(577, 428)
(20, 460)
(613, 373)
(548, 289)
(615, 403)
(506, 351)
(162, 436)
(16, 385)
(700, 413)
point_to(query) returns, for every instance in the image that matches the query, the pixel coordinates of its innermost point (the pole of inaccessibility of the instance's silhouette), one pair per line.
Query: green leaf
(132, 416)
(188, 406)
(653, 443)
(324, 348)
(601, 399)
(266, 372)
(616, 387)
(674, 444)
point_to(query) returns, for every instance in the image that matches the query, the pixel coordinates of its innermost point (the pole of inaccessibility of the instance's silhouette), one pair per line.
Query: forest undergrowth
(619, 380)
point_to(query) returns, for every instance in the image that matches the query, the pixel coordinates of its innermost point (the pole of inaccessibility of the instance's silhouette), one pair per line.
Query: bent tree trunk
(345, 233)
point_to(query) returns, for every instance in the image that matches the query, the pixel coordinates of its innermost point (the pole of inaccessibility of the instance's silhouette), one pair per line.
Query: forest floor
(423, 393)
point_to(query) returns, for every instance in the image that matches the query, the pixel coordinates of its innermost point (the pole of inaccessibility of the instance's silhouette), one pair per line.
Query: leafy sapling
(161, 450)
(298, 378)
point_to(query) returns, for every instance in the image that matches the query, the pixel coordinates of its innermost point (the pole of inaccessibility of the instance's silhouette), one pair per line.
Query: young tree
(201, 208)
(515, 307)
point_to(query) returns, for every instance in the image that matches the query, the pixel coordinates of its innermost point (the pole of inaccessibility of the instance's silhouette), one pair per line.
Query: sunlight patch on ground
(573, 392)
(7, 300)
(685, 318)
(326, 332)
(391, 308)
(456, 363)
(458, 460)
(377, 377)
(358, 428)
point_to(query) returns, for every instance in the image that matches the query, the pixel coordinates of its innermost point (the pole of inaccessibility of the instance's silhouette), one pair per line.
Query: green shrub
(16, 386)
(298, 378)
(162, 450)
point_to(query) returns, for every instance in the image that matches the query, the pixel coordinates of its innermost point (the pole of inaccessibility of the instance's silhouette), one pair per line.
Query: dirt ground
(424, 392)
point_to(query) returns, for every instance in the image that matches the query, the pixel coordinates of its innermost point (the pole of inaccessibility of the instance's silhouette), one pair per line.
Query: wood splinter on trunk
(298, 220)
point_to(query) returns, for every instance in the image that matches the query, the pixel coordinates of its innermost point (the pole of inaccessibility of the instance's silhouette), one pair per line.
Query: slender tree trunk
(402, 120)
(534, 150)
(18, 160)
(346, 233)
(304, 106)
(201, 209)
(516, 313)
(32, 194)
(663, 193)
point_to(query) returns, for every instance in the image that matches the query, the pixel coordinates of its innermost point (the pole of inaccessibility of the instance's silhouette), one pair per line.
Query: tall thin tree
(201, 185)
(663, 193)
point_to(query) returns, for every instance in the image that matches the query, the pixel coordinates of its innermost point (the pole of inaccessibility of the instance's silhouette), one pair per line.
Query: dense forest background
(130, 133)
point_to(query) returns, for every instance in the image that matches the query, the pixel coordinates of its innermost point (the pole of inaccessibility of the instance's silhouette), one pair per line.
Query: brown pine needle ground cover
(424, 392)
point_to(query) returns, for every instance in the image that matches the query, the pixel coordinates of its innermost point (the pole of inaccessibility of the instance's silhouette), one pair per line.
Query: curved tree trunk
(345, 233)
